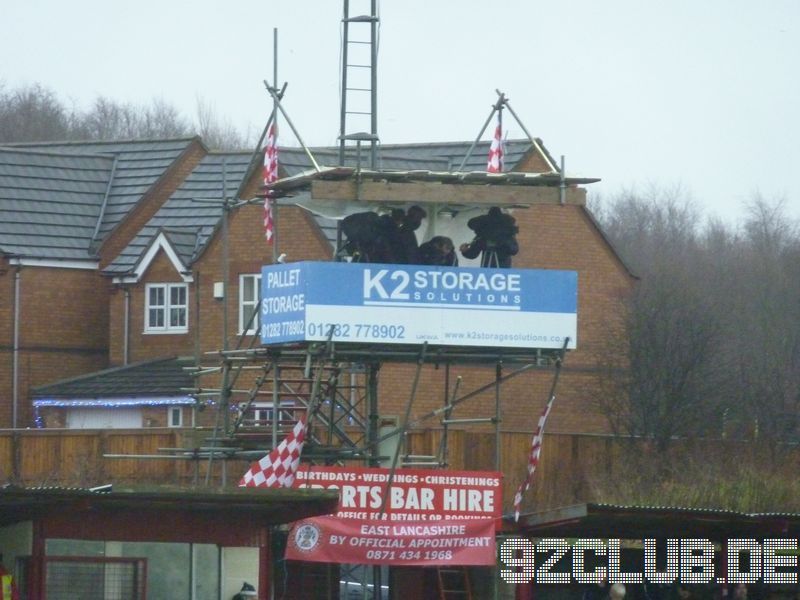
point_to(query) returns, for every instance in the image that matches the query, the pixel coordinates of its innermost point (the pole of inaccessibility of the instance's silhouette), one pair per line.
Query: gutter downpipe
(126, 324)
(15, 353)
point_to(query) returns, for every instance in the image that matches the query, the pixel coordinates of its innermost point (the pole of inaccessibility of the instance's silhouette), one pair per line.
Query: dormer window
(167, 308)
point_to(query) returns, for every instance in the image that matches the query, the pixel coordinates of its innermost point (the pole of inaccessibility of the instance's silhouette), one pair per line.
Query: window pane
(156, 296)
(249, 320)
(177, 295)
(250, 293)
(155, 317)
(177, 317)
(248, 283)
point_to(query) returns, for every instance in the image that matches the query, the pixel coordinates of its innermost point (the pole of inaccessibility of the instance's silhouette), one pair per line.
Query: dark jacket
(495, 254)
(494, 237)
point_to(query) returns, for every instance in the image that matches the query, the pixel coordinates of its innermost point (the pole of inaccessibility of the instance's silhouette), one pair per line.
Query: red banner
(335, 540)
(426, 517)
(415, 494)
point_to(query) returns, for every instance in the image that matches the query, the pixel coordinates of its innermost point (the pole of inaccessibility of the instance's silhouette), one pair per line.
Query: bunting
(495, 162)
(277, 469)
(533, 457)
(270, 176)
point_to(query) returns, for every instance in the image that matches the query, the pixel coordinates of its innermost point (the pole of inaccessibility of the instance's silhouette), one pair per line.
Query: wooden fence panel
(6, 456)
(139, 443)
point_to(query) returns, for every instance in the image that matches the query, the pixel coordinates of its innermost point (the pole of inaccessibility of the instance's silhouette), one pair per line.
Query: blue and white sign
(411, 304)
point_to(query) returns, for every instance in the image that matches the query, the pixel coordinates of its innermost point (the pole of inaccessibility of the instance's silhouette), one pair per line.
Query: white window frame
(167, 308)
(175, 410)
(264, 412)
(246, 304)
(261, 415)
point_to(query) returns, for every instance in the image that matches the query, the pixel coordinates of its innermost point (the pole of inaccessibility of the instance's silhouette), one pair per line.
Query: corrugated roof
(158, 377)
(241, 508)
(192, 213)
(48, 187)
(639, 522)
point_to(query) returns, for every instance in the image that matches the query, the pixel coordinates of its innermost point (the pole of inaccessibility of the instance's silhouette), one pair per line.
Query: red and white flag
(533, 457)
(277, 468)
(495, 163)
(270, 176)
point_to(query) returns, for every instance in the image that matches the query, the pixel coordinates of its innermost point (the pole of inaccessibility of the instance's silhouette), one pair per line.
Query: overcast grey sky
(699, 93)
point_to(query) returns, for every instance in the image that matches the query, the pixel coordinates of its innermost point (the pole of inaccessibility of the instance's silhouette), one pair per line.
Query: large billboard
(412, 304)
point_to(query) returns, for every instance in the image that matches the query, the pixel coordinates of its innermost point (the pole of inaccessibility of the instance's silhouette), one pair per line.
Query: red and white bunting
(270, 176)
(495, 163)
(277, 469)
(533, 457)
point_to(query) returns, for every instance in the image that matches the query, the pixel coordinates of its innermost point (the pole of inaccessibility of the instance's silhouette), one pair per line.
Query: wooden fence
(571, 465)
(75, 457)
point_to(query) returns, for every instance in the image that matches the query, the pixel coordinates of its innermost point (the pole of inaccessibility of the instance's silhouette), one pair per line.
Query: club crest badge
(306, 536)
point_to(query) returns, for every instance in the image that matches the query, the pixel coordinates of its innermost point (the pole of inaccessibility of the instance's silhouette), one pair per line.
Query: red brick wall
(248, 252)
(6, 339)
(116, 324)
(63, 331)
(533, 162)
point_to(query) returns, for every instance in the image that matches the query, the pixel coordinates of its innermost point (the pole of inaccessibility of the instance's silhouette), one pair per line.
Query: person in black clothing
(362, 231)
(494, 238)
(371, 237)
(438, 251)
(388, 238)
(407, 250)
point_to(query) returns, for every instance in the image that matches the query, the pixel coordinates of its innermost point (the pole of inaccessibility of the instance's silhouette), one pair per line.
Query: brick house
(66, 209)
(161, 295)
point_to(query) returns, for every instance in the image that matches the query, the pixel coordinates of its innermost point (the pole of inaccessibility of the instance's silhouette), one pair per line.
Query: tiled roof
(190, 216)
(76, 173)
(159, 377)
(406, 157)
(50, 202)
(454, 152)
(185, 243)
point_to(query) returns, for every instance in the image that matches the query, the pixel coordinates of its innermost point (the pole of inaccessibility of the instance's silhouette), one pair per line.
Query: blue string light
(38, 420)
(112, 402)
